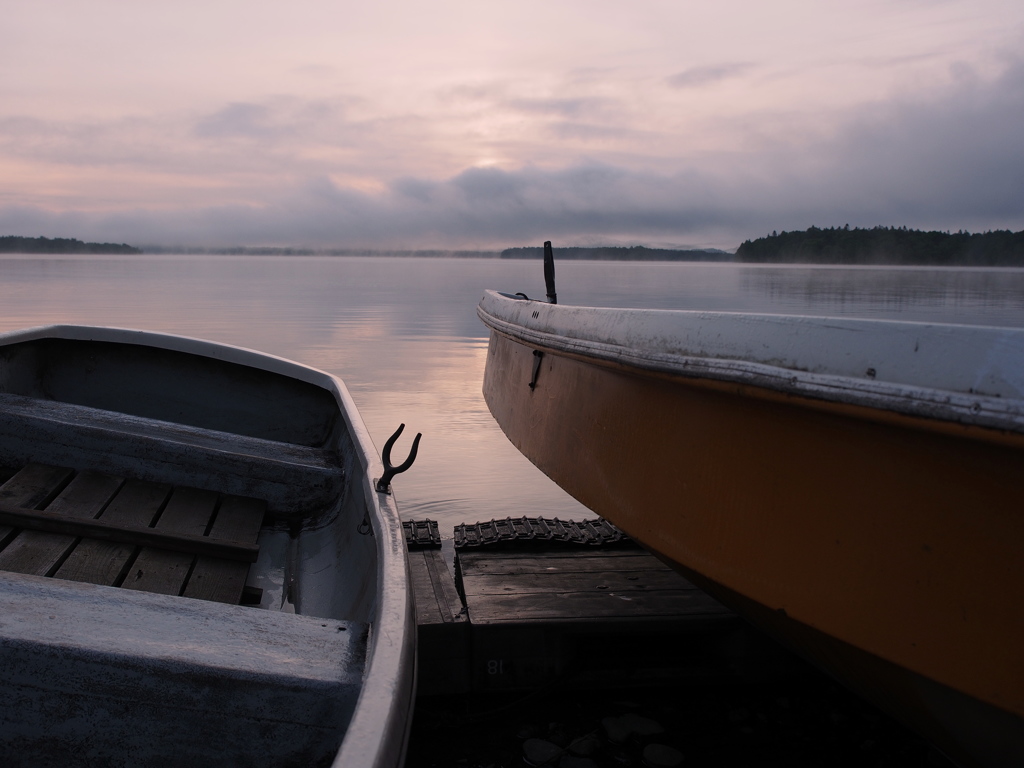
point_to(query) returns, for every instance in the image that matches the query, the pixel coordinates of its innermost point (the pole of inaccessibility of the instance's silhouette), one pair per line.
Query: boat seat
(99, 676)
(296, 481)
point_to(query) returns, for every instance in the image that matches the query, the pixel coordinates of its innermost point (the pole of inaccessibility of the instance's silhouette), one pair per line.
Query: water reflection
(404, 335)
(991, 297)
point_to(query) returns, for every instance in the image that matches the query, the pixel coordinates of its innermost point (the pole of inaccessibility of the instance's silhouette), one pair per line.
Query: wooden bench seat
(96, 676)
(296, 481)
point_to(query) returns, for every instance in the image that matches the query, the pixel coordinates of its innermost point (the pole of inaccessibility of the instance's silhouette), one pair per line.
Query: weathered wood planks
(160, 537)
(586, 607)
(489, 583)
(602, 615)
(106, 562)
(442, 625)
(31, 487)
(587, 616)
(140, 535)
(40, 553)
(291, 477)
(220, 580)
(577, 586)
(188, 511)
(437, 599)
(558, 560)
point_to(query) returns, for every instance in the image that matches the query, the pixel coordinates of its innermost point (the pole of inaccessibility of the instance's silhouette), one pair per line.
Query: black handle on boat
(549, 273)
(384, 484)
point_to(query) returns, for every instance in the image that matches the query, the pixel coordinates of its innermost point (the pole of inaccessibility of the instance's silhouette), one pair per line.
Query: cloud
(957, 159)
(241, 151)
(249, 120)
(698, 77)
(276, 120)
(947, 160)
(480, 207)
(560, 107)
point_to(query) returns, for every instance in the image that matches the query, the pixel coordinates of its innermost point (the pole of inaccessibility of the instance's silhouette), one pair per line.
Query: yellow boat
(853, 487)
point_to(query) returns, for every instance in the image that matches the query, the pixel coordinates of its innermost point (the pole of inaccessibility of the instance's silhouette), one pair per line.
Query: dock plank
(437, 599)
(222, 581)
(32, 487)
(428, 610)
(39, 553)
(188, 511)
(615, 581)
(577, 586)
(442, 625)
(560, 562)
(445, 593)
(104, 562)
(580, 607)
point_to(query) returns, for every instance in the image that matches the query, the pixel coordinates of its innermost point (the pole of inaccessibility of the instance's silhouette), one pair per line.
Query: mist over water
(404, 335)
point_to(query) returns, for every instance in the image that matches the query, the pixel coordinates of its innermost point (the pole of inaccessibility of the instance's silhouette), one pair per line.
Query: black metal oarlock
(384, 484)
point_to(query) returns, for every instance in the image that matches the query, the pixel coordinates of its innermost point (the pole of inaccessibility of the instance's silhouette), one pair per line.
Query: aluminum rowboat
(196, 567)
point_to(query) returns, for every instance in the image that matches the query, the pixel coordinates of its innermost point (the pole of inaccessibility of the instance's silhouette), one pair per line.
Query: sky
(455, 124)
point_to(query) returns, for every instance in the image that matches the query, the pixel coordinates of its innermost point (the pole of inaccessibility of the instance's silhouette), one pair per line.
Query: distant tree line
(259, 250)
(13, 244)
(614, 253)
(887, 245)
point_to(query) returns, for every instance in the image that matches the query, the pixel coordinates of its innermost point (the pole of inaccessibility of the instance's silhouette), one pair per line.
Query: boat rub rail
(865, 398)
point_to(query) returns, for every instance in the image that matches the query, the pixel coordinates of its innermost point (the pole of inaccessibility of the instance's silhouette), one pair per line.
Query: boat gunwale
(924, 404)
(377, 734)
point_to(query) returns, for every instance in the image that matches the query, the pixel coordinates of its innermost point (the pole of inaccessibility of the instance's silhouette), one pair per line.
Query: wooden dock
(527, 614)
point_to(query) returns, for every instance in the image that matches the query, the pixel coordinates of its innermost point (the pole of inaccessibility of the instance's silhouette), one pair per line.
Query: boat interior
(182, 554)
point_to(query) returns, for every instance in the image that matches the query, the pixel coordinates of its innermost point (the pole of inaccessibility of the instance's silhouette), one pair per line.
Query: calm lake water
(404, 335)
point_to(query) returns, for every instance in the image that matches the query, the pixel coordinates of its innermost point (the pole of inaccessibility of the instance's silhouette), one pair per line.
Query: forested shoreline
(834, 245)
(886, 245)
(60, 245)
(620, 253)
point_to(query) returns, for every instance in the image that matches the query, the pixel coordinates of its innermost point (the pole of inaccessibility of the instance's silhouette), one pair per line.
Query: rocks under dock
(803, 721)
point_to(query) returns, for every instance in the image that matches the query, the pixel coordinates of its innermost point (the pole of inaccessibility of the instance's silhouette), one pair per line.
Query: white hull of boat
(334, 621)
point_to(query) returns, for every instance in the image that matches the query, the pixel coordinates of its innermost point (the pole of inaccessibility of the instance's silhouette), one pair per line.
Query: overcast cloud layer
(464, 125)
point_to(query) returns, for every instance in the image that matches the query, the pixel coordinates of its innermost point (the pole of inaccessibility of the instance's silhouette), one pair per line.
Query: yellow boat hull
(887, 547)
